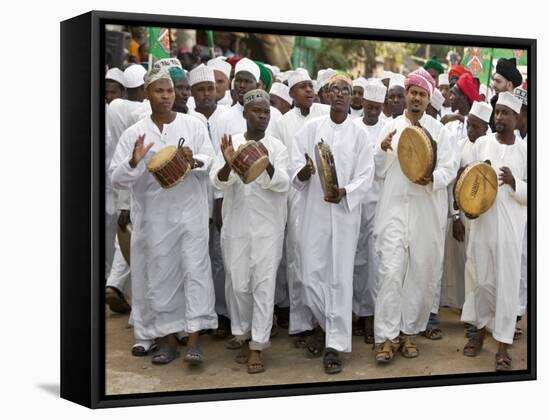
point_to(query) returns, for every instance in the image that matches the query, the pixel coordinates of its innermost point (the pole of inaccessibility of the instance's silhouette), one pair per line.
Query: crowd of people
(378, 258)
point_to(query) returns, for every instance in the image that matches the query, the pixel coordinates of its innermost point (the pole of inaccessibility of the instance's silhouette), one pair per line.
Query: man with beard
(365, 284)
(302, 94)
(172, 288)
(506, 78)
(494, 248)
(328, 227)
(410, 227)
(252, 237)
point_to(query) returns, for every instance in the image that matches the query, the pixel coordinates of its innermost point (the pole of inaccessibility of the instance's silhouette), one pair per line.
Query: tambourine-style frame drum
(475, 189)
(249, 161)
(417, 153)
(169, 166)
(326, 169)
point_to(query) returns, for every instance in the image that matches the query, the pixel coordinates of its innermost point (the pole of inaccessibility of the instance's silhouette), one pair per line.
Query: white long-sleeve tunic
(365, 272)
(495, 244)
(327, 233)
(172, 287)
(409, 229)
(254, 217)
(289, 282)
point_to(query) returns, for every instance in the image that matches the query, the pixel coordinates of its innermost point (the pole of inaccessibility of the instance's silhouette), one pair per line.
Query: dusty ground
(286, 365)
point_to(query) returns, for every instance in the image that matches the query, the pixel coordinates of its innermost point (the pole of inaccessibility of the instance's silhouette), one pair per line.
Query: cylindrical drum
(169, 166)
(249, 161)
(417, 153)
(476, 188)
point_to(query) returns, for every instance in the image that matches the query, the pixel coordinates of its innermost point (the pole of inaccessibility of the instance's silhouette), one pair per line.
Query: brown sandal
(258, 366)
(385, 351)
(503, 362)
(408, 347)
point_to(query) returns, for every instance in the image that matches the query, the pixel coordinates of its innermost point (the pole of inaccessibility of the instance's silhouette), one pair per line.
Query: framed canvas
(98, 368)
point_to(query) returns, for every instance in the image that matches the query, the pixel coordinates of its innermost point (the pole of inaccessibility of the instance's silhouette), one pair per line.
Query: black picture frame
(82, 210)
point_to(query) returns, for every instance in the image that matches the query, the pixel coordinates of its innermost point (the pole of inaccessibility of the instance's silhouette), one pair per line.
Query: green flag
(482, 61)
(159, 43)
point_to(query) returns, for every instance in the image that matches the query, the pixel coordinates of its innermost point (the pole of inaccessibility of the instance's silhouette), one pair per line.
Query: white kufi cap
(115, 74)
(133, 76)
(220, 64)
(508, 99)
(397, 80)
(245, 64)
(201, 74)
(281, 90)
(297, 76)
(375, 91)
(482, 110)
(443, 79)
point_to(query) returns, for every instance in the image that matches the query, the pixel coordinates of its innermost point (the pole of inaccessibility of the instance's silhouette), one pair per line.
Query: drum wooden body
(249, 161)
(416, 153)
(168, 166)
(475, 190)
(326, 169)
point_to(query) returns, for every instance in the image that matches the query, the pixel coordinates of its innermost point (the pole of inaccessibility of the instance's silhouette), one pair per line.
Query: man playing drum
(410, 226)
(328, 229)
(254, 217)
(495, 242)
(172, 288)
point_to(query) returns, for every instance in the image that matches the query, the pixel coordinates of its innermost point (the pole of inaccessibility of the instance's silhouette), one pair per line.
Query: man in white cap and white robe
(328, 228)
(222, 74)
(365, 284)
(396, 95)
(305, 109)
(247, 78)
(172, 288)
(457, 282)
(409, 227)
(253, 230)
(323, 78)
(496, 236)
(203, 88)
(356, 107)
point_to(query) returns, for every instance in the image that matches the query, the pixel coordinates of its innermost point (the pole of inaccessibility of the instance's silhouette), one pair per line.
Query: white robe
(356, 113)
(234, 122)
(495, 244)
(456, 281)
(213, 126)
(227, 100)
(254, 217)
(365, 283)
(445, 110)
(409, 228)
(289, 285)
(327, 233)
(172, 288)
(523, 279)
(110, 201)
